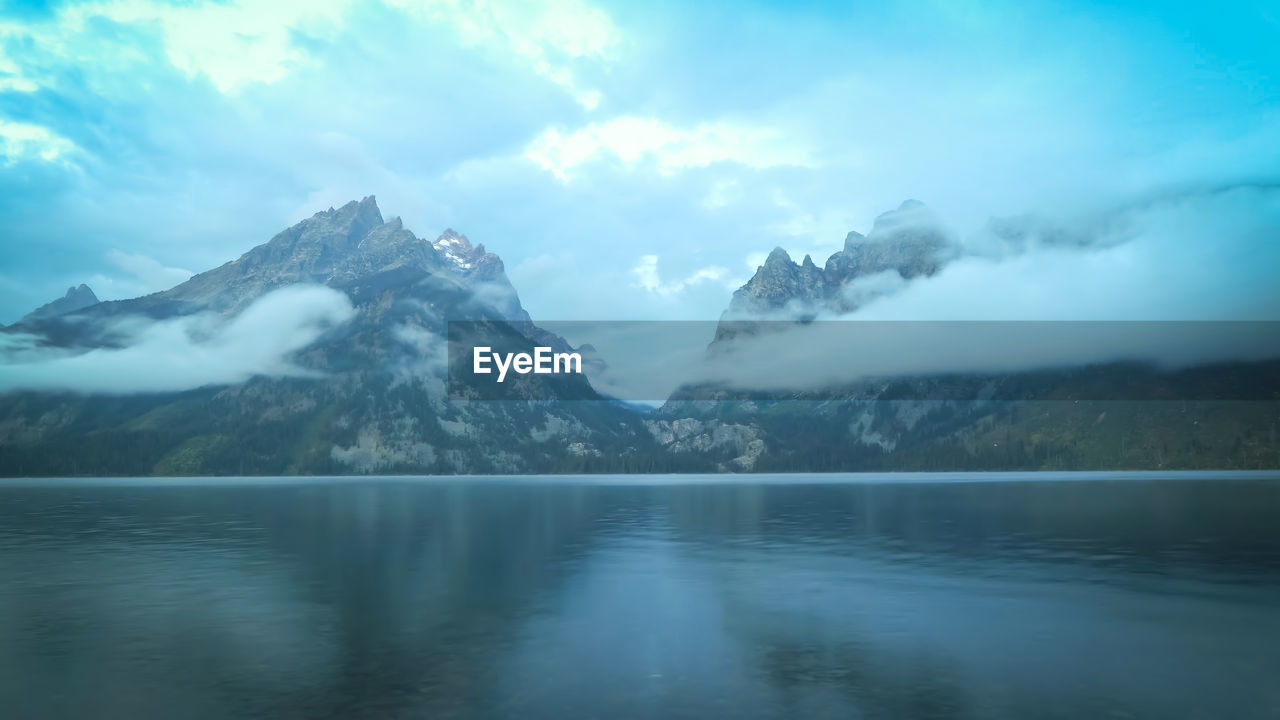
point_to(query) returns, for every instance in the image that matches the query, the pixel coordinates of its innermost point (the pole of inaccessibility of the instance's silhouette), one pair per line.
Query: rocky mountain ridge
(374, 398)
(908, 241)
(77, 298)
(936, 423)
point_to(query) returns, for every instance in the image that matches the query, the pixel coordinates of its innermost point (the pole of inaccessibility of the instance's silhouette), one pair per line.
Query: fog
(1199, 255)
(1172, 280)
(186, 352)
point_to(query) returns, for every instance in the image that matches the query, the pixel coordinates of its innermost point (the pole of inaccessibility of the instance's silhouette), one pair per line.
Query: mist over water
(1107, 596)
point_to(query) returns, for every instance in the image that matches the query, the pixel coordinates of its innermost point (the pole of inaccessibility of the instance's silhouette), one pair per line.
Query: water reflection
(490, 599)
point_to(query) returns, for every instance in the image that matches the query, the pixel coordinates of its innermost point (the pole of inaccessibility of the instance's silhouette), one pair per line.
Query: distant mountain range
(368, 395)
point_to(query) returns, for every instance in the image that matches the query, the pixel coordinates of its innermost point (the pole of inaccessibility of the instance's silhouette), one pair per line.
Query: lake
(978, 596)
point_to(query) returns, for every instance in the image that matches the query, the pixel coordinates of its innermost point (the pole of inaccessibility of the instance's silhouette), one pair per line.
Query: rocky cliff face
(332, 247)
(948, 423)
(376, 400)
(373, 398)
(77, 298)
(908, 241)
(337, 247)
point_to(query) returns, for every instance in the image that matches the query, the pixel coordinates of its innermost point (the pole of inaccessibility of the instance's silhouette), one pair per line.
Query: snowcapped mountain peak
(456, 248)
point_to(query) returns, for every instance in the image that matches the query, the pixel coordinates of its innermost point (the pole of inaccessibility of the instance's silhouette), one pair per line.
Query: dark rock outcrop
(77, 298)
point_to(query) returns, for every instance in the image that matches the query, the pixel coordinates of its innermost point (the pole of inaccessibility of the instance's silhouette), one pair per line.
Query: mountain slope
(370, 394)
(1100, 417)
(908, 242)
(77, 298)
(375, 398)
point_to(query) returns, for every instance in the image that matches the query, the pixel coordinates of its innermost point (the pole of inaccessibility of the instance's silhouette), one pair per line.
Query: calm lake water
(1097, 595)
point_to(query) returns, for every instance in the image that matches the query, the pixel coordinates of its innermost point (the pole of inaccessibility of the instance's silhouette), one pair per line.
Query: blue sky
(633, 160)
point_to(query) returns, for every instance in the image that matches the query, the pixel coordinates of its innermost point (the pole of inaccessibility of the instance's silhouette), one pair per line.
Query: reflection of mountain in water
(390, 599)
(313, 601)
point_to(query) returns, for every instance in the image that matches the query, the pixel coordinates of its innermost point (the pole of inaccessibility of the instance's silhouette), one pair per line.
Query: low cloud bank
(647, 361)
(829, 354)
(186, 352)
(1205, 254)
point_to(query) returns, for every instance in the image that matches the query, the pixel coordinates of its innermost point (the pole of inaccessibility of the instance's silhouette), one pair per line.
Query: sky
(639, 160)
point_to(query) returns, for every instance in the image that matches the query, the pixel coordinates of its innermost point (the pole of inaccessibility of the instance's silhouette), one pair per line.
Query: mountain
(371, 392)
(1026, 421)
(336, 247)
(908, 242)
(369, 395)
(1108, 416)
(77, 298)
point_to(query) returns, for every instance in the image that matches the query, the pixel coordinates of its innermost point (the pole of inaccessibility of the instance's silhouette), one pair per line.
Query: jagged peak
(457, 248)
(453, 239)
(854, 238)
(808, 262)
(81, 290)
(779, 255)
(365, 209)
(360, 217)
(76, 298)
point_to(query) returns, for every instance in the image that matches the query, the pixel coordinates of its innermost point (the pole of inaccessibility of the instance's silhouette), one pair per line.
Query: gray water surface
(1104, 595)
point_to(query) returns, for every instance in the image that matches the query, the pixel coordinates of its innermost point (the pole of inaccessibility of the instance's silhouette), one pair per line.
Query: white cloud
(633, 140)
(429, 363)
(862, 290)
(550, 36)
(971, 124)
(822, 355)
(232, 43)
(11, 78)
(150, 273)
(816, 228)
(240, 42)
(135, 274)
(646, 277)
(24, 140)
(722, 194)
(1205, 257)
(187, 352)
(565, 28)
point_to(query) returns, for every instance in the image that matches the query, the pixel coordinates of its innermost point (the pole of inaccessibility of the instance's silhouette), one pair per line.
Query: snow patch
(456, 249)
